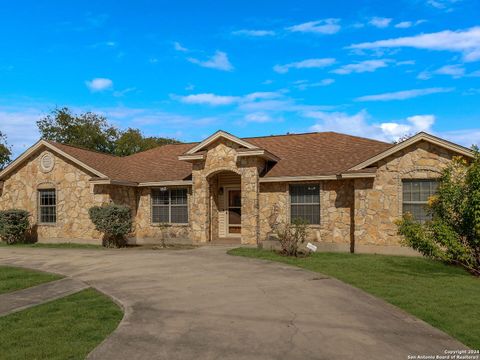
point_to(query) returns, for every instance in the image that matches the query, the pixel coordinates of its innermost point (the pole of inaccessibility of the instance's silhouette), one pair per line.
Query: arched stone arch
(215, 171)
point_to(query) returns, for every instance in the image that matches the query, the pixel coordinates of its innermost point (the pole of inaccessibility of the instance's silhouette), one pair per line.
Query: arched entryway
(225, 207)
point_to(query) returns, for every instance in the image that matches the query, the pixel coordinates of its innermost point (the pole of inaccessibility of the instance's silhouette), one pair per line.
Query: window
(47, 206)
(169, 206)
(415, 197)
(305, 203)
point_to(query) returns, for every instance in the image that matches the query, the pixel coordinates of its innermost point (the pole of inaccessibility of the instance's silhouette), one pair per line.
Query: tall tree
(132, 141)
(92, 131)
(88, 130)
(5, 151)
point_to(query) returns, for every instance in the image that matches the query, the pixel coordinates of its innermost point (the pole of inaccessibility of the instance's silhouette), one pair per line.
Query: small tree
(5, 151)
(14, 225)
(114, 221)
(453, 234)
(291, 236)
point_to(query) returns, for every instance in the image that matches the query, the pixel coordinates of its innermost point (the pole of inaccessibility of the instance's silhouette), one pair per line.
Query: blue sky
(185, 69)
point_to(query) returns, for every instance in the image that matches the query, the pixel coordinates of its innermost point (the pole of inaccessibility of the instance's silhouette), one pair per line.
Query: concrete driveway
(204, 304)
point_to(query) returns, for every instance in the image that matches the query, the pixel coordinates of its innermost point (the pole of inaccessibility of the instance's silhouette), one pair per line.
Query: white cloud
(305, 84)
(324, 26)
(218, 61)
(445, 5)
(178, 47)
(209, 99)
(455, 71)
(258, 117)
(121, 93)
(99, 84)
(361, 67)
(219, 100)
(404, 25)
(304, 64)
(466, 137)
(254, 33)
(358, 124)
(403, 95)
(380, 22)
(408, 24)
(341, 122)
(466, 42)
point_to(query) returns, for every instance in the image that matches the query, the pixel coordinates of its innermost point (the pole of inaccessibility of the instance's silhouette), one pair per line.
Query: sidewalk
(36, 295)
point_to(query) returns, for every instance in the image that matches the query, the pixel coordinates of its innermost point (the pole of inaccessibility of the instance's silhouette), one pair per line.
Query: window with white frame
(415, 197)
(170, 206)
(47, 206)
(305, 203)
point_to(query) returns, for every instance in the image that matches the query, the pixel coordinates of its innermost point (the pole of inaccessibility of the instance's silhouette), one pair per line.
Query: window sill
(169, 224)
(46, 224)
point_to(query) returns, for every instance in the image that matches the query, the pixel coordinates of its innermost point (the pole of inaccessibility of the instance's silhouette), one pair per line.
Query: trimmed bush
(291, 236)
(14, 225)
(114, 221)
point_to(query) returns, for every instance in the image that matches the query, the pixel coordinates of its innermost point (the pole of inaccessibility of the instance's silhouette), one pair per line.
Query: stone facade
(358, 213)
(222, 156)
(75, 196)
(336, 199)
(378, 201)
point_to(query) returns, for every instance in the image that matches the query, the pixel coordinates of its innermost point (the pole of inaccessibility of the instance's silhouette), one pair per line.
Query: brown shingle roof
(312, 154)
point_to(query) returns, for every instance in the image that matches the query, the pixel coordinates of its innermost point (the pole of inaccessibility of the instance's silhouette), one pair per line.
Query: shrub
(291, 236)
(453, 234)
(14, 225)
(114, 221)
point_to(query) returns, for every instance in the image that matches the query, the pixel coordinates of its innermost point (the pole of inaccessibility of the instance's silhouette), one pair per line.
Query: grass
(444, 296)
(68, 328)
(12, 278)
(53, 245)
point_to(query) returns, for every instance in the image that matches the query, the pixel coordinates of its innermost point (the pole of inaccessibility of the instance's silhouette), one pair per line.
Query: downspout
(352, 219)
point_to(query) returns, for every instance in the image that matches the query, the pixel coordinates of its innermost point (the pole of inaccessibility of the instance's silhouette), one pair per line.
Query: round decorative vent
(47, 162)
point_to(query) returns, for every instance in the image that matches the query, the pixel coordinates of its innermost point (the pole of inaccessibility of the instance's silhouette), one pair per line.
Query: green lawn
(447, 297)
(12, 278)
(68, 328)
(53, 245)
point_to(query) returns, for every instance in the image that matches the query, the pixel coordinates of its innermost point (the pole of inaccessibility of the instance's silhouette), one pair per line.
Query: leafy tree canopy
(453, 234)
(5, 152)
(94, 132)
(132, 141)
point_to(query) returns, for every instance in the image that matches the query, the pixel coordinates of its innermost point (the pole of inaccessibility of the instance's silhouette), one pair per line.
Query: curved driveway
(204, 304)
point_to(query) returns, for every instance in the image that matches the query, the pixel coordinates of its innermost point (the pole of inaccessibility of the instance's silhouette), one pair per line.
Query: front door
(234, 212)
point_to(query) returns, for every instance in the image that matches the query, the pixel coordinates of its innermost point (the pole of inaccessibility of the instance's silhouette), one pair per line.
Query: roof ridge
(313, 133)
(82, 148)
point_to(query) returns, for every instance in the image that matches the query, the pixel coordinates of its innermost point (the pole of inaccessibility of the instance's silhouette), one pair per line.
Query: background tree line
(90, 131)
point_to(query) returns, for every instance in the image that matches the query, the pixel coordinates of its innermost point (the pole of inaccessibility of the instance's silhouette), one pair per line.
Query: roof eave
(414, 139)
(18, 161)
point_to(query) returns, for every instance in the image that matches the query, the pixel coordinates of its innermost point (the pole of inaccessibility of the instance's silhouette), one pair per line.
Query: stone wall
(75, 195)
(222, 156)
(378, 201)
(147, 232)
(336, 198)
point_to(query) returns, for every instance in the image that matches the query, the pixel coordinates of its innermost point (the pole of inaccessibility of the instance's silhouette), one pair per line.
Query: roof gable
(220, 134)
(38, 145)
(421, 136)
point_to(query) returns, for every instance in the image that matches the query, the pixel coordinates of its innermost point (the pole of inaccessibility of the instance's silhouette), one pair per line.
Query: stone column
(200, 209)
(250, 208)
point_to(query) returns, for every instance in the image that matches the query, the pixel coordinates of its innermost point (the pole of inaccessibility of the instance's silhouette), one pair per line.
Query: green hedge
(114, 221)
(14, 225)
